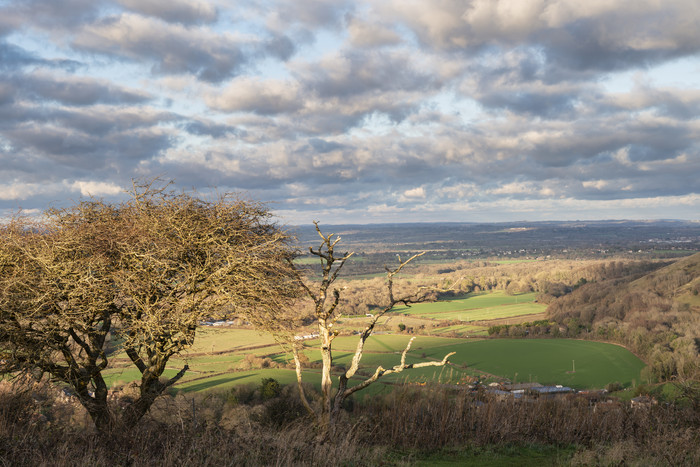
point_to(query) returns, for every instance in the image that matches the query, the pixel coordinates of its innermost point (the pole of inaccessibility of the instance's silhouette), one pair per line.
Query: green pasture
(476, 307)
(549, 361)
(469, 301)
(225, 381)
(678, 252)
(212, 339)
(485, 314)
(462, 329)
(393, 343)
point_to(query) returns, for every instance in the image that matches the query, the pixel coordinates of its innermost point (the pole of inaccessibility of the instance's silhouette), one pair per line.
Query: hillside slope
(679, 282)
(656, 315)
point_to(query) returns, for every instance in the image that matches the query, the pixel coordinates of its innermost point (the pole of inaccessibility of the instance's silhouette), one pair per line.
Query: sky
(357, 111)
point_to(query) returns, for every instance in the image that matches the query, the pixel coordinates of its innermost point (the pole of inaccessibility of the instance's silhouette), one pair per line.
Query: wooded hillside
(657, 315)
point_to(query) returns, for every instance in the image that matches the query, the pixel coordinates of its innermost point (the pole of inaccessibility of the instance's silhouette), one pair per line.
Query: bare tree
(143, 273)
(326, 299)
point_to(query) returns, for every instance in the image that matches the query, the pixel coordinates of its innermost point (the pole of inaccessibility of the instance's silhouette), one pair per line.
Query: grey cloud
(53, 14)
(172, 48)
(541, 104)
(579, 49)
(103, 120)
(204, 128)
(341, 193)
(263, 97)
(364, 33)
(511, 78)
(490, 108)
(52, 141)
(668, 178)
(339, 117)
(175, 11)
(602, 36)
(280, 46)
(588, 139)
(322, 146)
(78, 91)
(7, 93)
(674, 103)
(353, 73)
(6, 26)
(327, 162)
(81, 150)
(308, 13)
(95, 119)
(12, 57)
(621, 38)
(309, 106)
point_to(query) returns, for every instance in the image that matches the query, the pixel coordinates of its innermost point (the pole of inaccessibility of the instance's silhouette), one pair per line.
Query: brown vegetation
(651, 313)
(265, 425)
(139, 276)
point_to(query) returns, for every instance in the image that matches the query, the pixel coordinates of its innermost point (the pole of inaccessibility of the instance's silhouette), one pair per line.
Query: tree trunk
(97, 407)
(326, 381)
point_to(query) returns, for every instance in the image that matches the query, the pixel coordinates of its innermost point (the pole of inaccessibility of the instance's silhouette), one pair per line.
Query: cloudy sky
(358, 111)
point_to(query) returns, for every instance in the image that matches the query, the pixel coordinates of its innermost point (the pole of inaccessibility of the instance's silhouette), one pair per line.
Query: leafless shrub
(212, 429)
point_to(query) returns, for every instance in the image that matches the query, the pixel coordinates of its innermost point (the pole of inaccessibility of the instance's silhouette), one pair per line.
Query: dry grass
(245, 427)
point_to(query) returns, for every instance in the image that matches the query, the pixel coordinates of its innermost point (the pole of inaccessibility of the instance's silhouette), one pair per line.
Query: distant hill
(600, 239)
(656, 314)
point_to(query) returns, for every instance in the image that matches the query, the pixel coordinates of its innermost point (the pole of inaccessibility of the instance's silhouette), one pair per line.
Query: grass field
(215, 359)
(464, 330)
(548, 361)
(210, 339)
(476, 307)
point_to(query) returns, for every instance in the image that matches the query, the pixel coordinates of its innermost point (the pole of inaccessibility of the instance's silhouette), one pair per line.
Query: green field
(462, 329)
(476, 307)
(211, 339)
(216, 358)
(547, 361)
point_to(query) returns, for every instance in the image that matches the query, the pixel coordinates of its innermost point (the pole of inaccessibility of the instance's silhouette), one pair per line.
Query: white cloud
(597, 184)
(371, 34)
(265, 97)
(413, 194)
(93, 188)
(181, 11)
(17, 191)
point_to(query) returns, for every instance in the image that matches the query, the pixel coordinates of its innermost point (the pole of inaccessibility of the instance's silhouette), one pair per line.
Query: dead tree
(326, 299)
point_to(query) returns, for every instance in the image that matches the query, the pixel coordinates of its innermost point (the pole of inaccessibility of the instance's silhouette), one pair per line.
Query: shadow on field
(211, 383)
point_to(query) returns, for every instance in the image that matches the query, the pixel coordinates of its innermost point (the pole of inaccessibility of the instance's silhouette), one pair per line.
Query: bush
(269, 388)
(613, 387)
